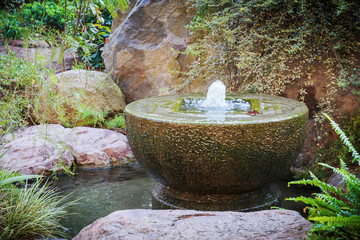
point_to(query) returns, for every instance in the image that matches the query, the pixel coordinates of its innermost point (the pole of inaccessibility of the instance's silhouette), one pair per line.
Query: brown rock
(190, 224)
(80, 89)
(317, 88)
(139, 54)
(122, 16)
(44, 149)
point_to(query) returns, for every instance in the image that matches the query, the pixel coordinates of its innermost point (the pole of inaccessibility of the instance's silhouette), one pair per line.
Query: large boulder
(142, 53)
(190, 224)
(69, 95)
(94, 147)
(37, 150)
(45, 149)
(122, 16)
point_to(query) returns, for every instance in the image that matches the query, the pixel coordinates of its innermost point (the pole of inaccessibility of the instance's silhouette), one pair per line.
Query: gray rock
(139, 54)
(122, 16)
(79, 89)
(41, 52)
(44, 149)
(37, 150)
(190, 224)
(94, 147)
(337, 181)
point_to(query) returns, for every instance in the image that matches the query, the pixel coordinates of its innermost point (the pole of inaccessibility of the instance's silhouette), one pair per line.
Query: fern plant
(344, 139)
(335, 211)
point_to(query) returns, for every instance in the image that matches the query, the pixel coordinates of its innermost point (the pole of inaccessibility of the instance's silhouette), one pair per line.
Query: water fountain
(216, 154)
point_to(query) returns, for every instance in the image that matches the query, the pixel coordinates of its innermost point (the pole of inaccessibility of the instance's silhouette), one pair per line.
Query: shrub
(336, 150)
(47, 13)
(92, 38)
(20, 80)
(336, 211)
(10, 25)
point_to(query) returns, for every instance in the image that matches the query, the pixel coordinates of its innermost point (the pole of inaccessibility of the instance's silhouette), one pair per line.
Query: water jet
(210, 157)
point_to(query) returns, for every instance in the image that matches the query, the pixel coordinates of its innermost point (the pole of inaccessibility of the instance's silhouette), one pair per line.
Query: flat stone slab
(189, 224)
(48, 148)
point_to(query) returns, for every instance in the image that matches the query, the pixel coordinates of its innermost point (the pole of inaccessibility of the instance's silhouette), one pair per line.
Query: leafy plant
(335, 211)
(345, 140)
(46, 13)
(10, 25)
(266, 45)
(330, 153)
(117, 122)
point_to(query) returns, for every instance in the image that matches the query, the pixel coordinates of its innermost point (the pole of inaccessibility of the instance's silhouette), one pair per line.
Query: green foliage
(17, 179)
(34, 210)
(344, 139)
(13, 4)
(336, 211)
(114, 5)
(10, 26)
(87, 24)
(93, 38)
(264, 45)
(47, 13)
(336, 150)
(19, 82)
(117, 122)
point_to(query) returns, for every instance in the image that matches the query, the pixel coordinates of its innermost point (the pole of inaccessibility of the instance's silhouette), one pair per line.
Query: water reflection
(105, 191)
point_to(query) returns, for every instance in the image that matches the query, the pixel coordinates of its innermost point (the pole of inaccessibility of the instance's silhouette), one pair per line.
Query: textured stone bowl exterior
(198, 154)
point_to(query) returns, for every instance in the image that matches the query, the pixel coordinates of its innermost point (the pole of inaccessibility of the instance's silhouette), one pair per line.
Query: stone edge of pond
(186, 224)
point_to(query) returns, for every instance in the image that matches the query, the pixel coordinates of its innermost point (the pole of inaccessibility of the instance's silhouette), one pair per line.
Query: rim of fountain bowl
(133, 109)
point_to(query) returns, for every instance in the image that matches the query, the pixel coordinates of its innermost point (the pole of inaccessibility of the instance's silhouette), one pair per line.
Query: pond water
(103, 192)
(107, 190)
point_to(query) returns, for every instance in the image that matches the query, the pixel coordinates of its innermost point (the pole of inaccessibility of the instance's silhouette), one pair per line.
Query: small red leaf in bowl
(253, 113)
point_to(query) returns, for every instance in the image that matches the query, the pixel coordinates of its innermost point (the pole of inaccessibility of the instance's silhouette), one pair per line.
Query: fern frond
(333, 200)
(344, 139)
(339, 221)
(351, 181)
(343, 165)
(331, 204)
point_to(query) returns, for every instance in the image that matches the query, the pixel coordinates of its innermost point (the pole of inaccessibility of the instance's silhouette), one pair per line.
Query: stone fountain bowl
(216, 153)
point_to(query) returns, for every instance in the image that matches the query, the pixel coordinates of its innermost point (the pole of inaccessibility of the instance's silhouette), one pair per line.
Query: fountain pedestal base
(166, 198)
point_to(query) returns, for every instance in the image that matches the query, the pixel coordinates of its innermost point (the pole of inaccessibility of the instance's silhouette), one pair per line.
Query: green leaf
(18, 179)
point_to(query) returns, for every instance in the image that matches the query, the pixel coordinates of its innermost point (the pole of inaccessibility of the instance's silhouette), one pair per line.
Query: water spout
(215, 98)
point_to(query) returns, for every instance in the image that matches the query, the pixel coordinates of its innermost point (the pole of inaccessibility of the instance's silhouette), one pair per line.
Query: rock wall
(320, 90)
